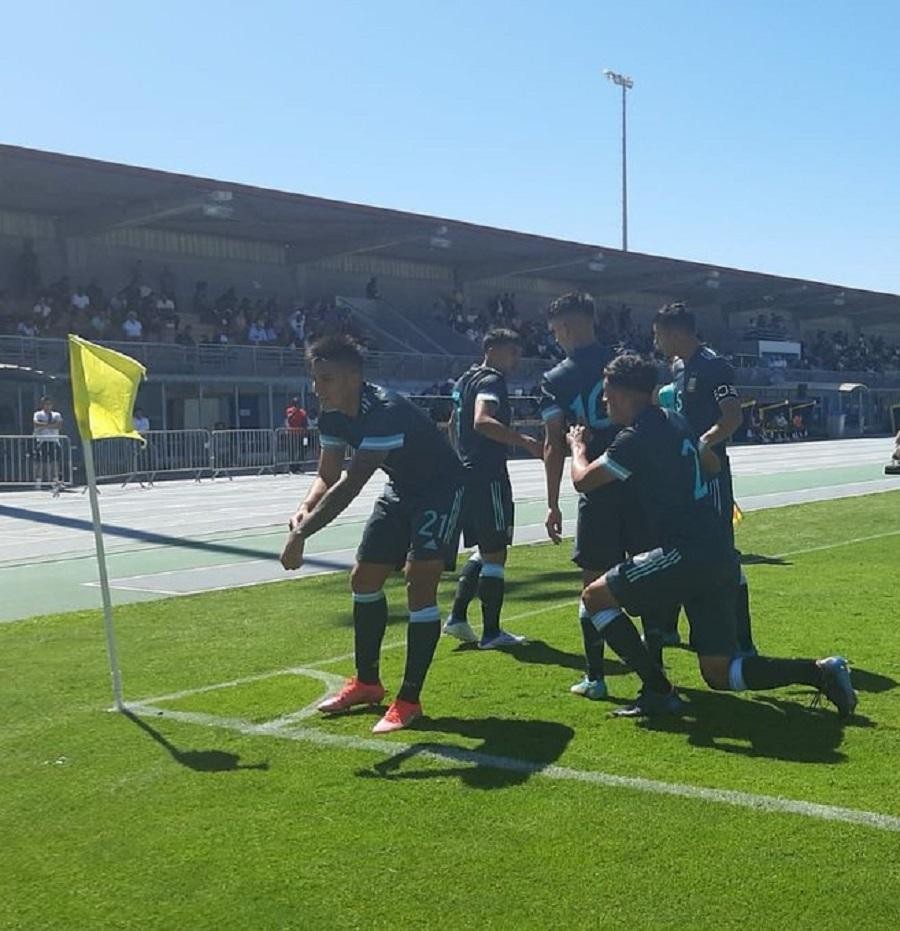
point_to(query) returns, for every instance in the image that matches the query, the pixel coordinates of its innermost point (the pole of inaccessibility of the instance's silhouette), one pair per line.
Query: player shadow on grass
(511, 751)
(865, 681)
(202, 761)
(759, 559)
(543, 654)
(766, 726)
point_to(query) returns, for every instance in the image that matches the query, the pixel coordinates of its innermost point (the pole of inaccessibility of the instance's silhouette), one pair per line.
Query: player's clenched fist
(292, 554)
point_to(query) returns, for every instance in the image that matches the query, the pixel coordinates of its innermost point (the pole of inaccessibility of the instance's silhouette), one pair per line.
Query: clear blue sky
(763, 134)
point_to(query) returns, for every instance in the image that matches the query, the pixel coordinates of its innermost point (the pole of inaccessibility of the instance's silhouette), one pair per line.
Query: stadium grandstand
(216, 287)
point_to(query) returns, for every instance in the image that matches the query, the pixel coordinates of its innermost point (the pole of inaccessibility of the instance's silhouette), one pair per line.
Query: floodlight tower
(626, 84)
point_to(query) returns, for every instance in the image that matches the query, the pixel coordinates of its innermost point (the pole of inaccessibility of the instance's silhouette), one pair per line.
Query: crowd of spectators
(145, 308)
(841, 352)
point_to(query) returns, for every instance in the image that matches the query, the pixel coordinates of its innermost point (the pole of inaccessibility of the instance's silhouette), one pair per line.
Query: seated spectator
(132, 326)
(42, 311)
(185, 337)
(98, 324)
(26, 328)
(80, 299)
(372, 292)
(257, 335)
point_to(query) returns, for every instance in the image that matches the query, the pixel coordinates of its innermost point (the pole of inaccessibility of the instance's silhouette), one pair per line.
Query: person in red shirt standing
(296, 421)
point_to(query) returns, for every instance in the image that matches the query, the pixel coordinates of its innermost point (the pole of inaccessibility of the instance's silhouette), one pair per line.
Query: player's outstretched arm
(331, 463)
(487, 425)
(335, 500)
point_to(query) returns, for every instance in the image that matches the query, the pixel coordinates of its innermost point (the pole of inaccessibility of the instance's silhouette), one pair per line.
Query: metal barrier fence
(37, 461)
(236, 450)
(165, 451)
(295, 447)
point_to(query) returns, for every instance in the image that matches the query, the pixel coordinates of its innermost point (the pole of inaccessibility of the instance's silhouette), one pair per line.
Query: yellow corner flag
(104, 386)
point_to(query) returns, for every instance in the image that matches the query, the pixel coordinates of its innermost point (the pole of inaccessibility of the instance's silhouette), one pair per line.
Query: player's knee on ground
(422, 577)
(715, 672)
(598, 597)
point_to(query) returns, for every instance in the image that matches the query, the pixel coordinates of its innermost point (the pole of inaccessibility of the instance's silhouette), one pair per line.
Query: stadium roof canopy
(87, 197)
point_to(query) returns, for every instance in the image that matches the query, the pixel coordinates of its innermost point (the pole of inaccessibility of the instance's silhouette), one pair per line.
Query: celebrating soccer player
(611, 522)
(482, 432)
(414, 523)
(703, 392)
(695, 565)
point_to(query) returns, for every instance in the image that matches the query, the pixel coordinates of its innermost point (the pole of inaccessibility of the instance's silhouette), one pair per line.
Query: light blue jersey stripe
(611, 465)
(485, 396)
(331, 442)
(382, 442)
(550, 413)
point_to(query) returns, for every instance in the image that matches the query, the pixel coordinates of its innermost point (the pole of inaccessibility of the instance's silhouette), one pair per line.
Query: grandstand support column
(271, 407)
(164, 404)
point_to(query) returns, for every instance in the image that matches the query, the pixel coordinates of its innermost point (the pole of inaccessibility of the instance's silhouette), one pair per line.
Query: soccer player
(703, 392)
(610, 521)
(482, 433)
(695, 564)
(415, 522)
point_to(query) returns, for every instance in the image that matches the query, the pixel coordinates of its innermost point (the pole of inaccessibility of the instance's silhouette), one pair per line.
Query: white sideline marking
(281, 728)
(831, 546)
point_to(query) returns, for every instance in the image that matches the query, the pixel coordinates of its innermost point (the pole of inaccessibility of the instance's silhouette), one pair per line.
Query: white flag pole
(91, 477)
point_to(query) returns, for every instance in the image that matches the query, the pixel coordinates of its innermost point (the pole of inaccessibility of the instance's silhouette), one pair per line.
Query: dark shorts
(721, 491)
(611, 524)
(648, 581)
(488, 513)
(414, 528)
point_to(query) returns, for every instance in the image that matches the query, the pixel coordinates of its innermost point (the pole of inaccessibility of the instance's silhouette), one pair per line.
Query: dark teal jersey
(418, 454)
(478, 452)
(700, 384)
(573, 390)
(658, 453)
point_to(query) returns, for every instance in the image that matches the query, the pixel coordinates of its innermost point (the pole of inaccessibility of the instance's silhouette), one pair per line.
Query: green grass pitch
(108, 822)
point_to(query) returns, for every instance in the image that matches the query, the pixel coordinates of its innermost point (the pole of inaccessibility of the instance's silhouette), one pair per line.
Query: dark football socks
(762, 672)
(422, 636)
(466, 589)
(622, 636)
(491, 586)
(369, 622)
(593, 646)
(742, 618)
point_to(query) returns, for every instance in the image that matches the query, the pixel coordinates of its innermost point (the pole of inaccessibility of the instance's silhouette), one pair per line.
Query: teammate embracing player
(414, 524)
(611, 521)
(483, 437)
(703, 392)
(694, 564)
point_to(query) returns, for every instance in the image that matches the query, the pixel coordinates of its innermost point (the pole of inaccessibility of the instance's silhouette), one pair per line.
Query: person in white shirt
(47, 447)
(80, 299)
(141, 421)
(132, 327)
(26, 328)
(257, 333)
(42, 310)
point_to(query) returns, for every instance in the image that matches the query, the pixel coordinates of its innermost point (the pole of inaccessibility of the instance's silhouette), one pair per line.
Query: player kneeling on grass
(695, 564)
(482, 434)
(414, 523)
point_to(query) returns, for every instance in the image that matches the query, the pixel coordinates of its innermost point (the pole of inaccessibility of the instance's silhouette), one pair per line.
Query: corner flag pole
(111, 650)
(104, 386)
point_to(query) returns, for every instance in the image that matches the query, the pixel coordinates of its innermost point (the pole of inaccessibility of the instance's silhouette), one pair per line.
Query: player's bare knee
(422, 580)
(714, 670)
(366, 578)
(598, 597)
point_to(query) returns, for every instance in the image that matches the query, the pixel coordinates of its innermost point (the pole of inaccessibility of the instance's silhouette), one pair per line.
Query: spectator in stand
(132, 326)
(372, 292)
(200, 304)
(80, 300)
(26, 328)
(257, 335)
(98, 325)
(185, 337)
(42, 311)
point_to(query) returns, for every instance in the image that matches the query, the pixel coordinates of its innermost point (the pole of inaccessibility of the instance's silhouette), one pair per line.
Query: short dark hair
(500, 336)
(676, 316)
(632, 370)
(45, 399)
(338, 348)
(573, 302)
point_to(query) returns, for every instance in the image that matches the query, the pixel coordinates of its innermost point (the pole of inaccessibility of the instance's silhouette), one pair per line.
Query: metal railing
(40, 462)
(295, 447)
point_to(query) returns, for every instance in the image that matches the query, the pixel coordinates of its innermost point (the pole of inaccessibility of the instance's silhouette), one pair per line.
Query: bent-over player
(414, 524)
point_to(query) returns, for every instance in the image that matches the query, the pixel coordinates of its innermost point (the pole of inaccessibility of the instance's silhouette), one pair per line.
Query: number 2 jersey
(574, 390)
(419, 457)
(658, 453)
